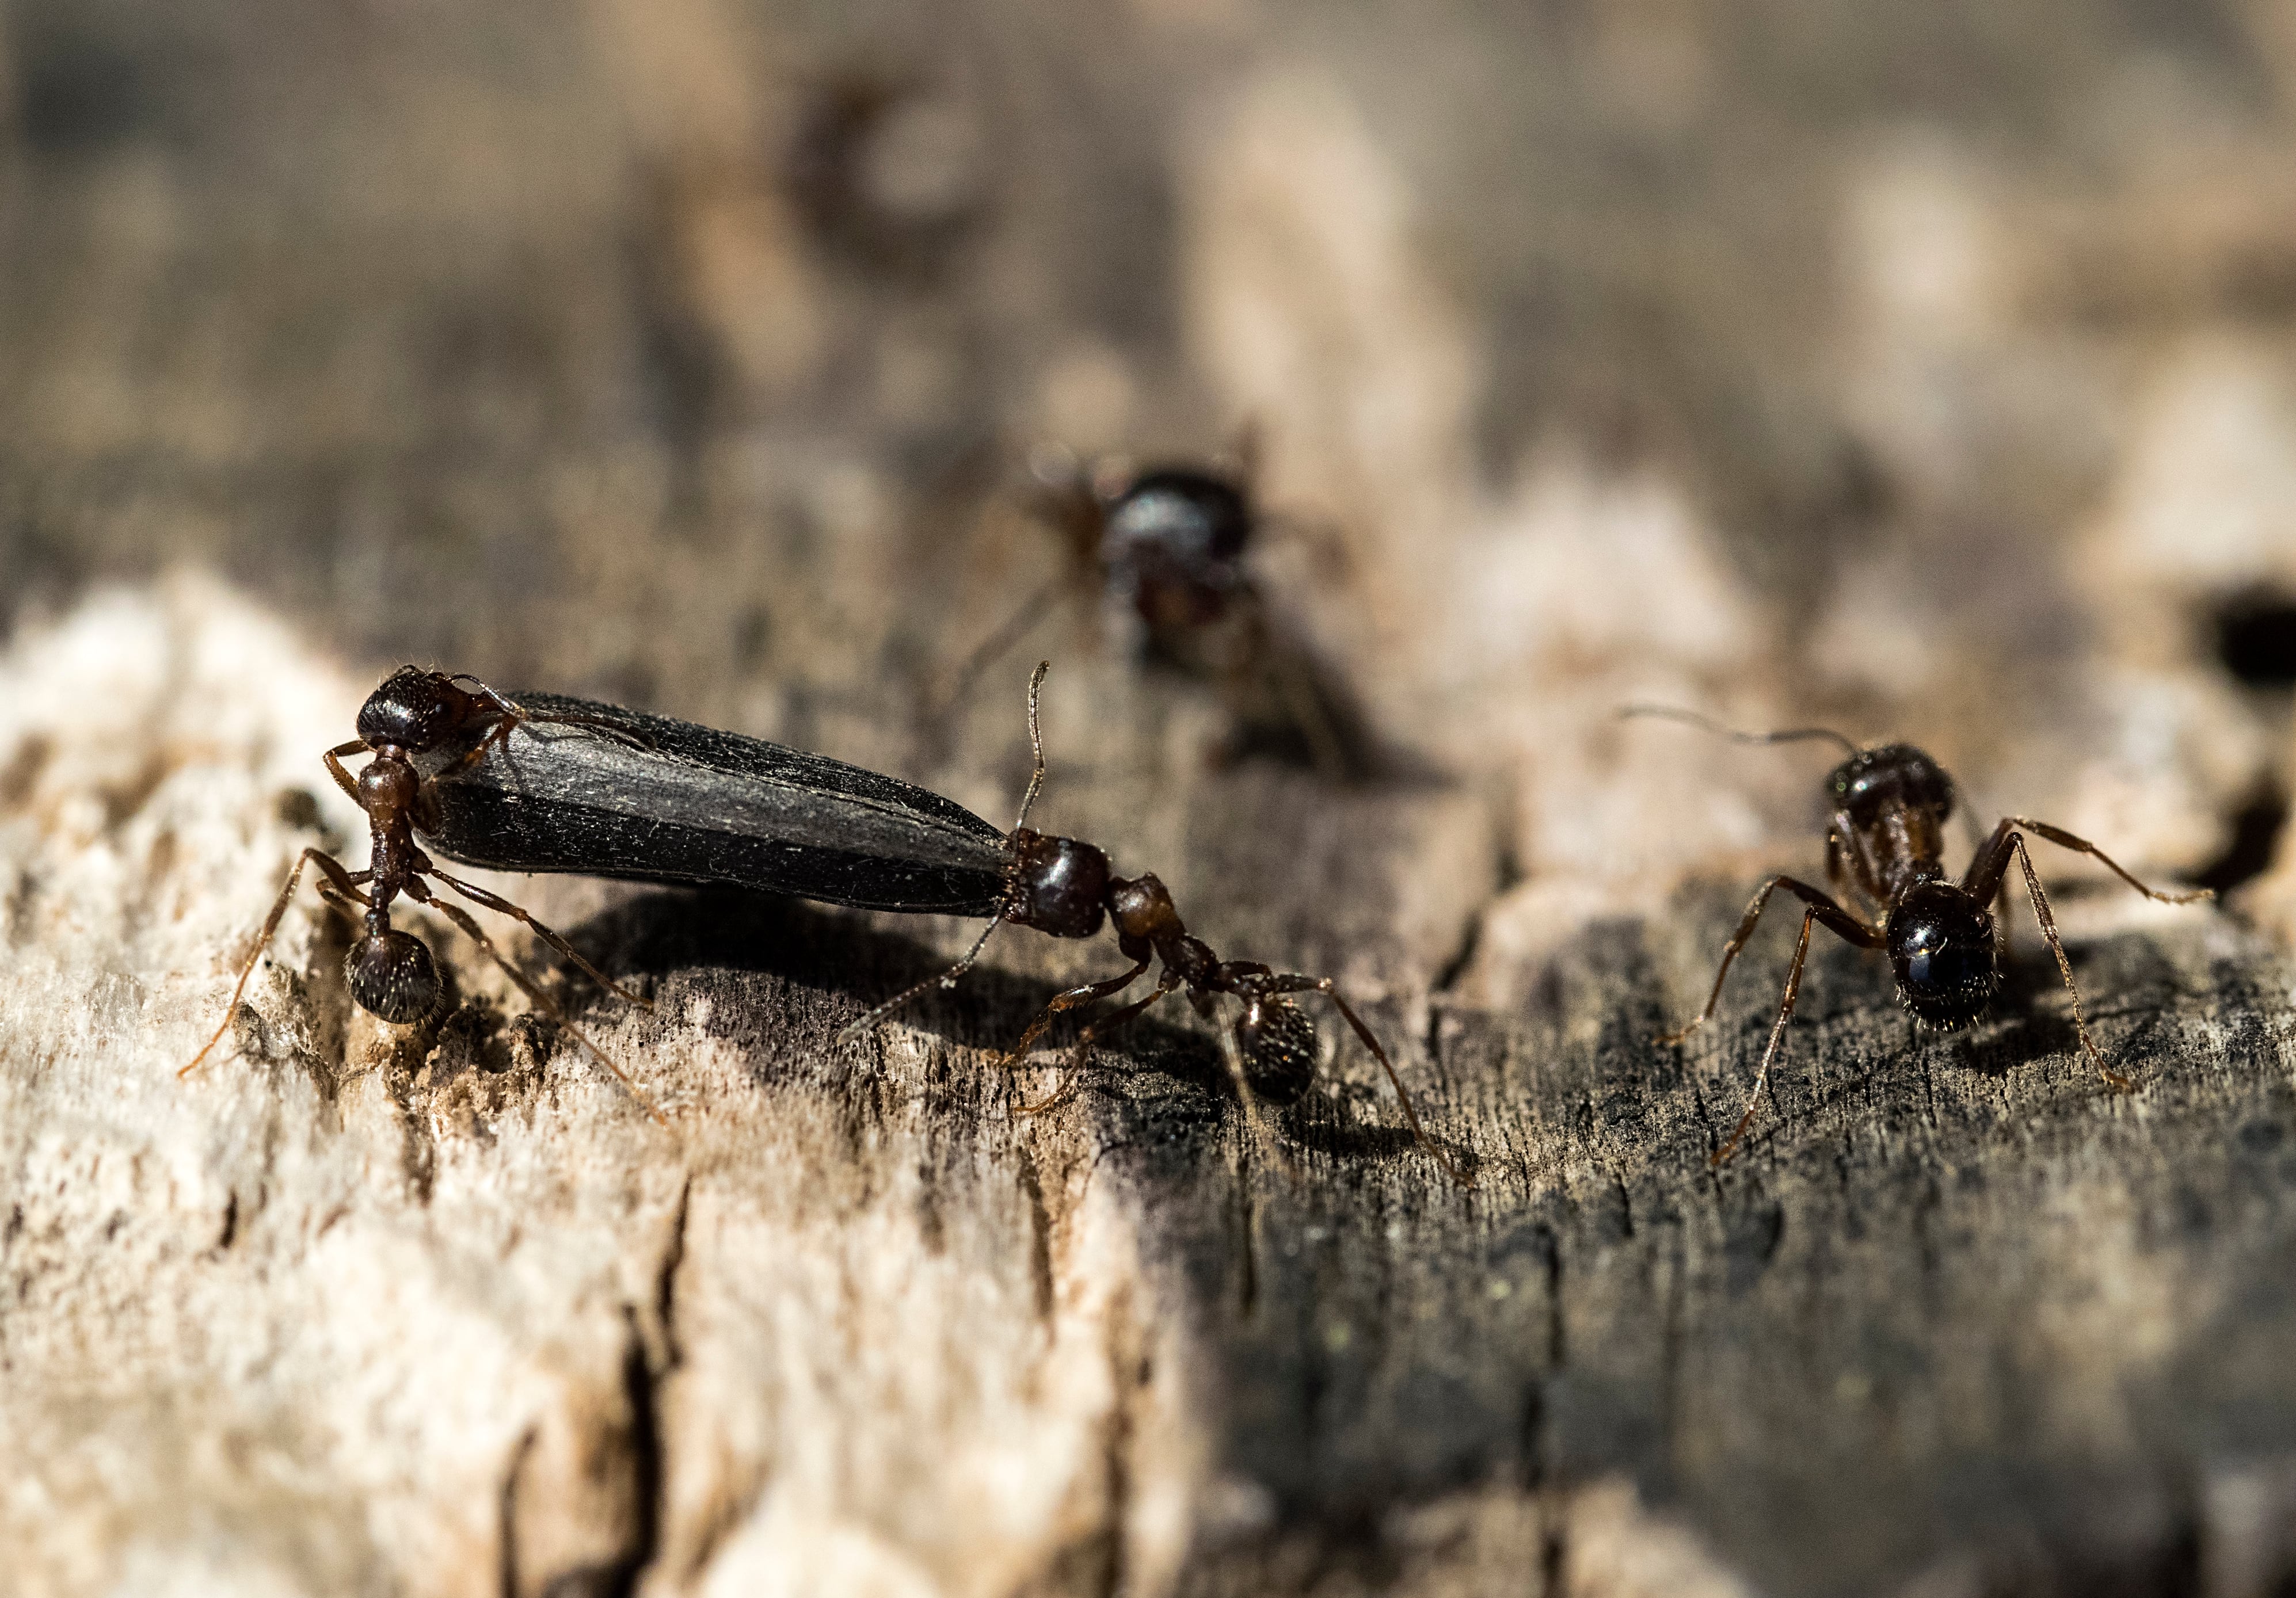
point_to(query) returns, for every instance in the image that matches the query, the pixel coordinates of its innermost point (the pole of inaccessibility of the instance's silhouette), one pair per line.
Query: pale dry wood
(509, 345)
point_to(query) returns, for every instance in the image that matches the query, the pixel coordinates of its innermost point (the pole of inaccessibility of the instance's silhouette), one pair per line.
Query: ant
(1066, 887)
(1886, 842)
(482, 780)
(1168, 545)
(392, 973)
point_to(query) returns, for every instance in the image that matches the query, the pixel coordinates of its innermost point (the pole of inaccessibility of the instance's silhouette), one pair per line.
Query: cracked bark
(514, 346)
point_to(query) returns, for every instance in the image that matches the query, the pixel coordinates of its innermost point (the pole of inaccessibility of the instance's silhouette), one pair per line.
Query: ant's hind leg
(2064, 839)
(345, 881)
(461, 918)
(502, 907)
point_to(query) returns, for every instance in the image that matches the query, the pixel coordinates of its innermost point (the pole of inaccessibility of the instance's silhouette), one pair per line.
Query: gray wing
(670, 801)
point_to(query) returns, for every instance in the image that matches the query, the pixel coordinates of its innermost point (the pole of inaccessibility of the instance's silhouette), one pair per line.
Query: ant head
(415, 710)
(393, 977)
(1876, 780)
(1175, 517)
(1941, 945)
(1277, 1041)
(1058, 885)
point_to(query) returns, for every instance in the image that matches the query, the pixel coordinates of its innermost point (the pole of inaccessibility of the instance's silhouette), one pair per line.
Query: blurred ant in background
(1166, 550)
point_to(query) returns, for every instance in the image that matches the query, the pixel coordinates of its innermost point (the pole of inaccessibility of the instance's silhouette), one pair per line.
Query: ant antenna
(499, 702)
(950, 977)
(947, 979)
(1692, 718)
(1035, 744)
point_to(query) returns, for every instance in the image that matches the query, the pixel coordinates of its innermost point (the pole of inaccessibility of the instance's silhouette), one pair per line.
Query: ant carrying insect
(1886, 841)
(542, 782)
(390, 972)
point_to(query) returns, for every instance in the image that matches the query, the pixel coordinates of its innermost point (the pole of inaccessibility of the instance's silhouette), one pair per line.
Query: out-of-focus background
(1927, 371)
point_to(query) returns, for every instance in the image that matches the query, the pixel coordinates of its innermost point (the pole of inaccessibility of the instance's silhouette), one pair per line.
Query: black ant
(1886, 841)
(392, 973)
(1168, 546)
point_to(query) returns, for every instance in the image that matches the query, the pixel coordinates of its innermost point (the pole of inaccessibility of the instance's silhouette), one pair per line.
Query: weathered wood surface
(1636, 358)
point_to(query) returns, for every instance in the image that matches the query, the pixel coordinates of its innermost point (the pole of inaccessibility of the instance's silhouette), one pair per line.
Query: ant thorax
(1890, 804)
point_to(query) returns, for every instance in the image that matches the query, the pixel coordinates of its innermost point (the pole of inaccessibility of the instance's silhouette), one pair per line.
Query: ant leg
(1278, 982)
(502, 907)
(1081, 1053)
(947, 979)
(1294, 681)
(336, 901)
(1777, 1035)
(1008, 633)
(2064, 839)
(342, 878)
(1824, 908)
(1068, 999)
(461, 918)
(2111, 1078)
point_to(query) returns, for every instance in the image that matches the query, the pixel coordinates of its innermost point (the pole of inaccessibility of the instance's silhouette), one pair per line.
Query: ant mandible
(1886, 840)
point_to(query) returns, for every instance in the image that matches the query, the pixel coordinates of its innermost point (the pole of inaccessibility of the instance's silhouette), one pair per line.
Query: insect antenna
(1692, 718)
(1036, 746)
(948, 979)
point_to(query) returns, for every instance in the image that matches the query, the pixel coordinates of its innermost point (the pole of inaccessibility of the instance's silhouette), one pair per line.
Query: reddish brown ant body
(1885, 844)
(390, 972)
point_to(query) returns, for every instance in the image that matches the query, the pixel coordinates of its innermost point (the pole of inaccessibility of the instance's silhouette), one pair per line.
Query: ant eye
(393, 977)
(1277, 1042)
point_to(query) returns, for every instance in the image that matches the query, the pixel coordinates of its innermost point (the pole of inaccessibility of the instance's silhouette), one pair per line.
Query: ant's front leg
(1081, 1051)
(1992, 862)
(345, 881)
(1988, 873)
(1777, 1034)
(1822, 907)
(335, 769)
(1068, 999)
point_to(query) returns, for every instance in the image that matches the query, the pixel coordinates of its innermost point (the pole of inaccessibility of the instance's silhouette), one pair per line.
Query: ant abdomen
(1278, 1044)
(392, 975)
